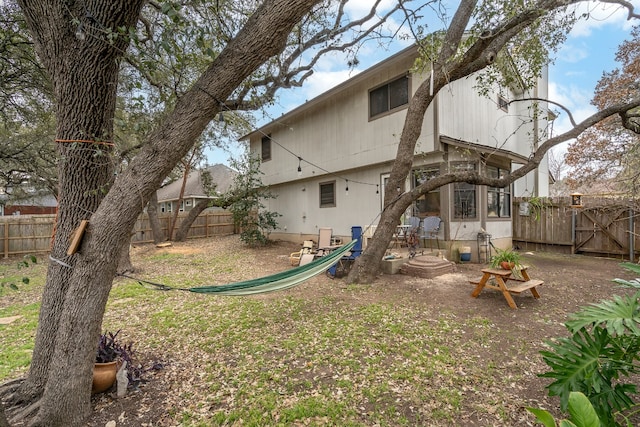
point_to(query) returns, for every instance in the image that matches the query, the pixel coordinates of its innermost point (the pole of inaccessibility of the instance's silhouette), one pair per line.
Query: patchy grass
(401, 351)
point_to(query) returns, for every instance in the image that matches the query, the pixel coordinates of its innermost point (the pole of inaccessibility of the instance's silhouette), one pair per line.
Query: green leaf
(544, 417)
(581, 410)
(25, 280)
(618, 316)
(13, 286)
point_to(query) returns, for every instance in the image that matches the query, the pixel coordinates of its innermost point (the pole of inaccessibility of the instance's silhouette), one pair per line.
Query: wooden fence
(601, 227)
(30, 234)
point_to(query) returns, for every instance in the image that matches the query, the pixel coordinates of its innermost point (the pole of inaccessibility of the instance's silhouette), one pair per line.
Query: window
(389, 96)
(464, 195)
(503, 103)
(181, 206)
(498, 199)
(428, 204)
(328, 194)
(266, 148)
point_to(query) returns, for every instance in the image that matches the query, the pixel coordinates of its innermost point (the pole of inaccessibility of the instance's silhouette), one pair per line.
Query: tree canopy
(608, 153)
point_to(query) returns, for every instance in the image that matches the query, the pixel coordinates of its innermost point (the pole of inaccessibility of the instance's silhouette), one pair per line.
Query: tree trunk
(183, 231)
(154, 222)
(124, 262)
(174, 220)
(85, 76)
(85, 73)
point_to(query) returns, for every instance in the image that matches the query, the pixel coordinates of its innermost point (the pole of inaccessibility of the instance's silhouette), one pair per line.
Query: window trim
(499, 191)
(327, 205)
(387, 84)
(503, 103)
(265, 141)
(433, 170)
(476, 193)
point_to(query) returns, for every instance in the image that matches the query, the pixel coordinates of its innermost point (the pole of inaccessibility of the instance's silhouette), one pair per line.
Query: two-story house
(327, 160)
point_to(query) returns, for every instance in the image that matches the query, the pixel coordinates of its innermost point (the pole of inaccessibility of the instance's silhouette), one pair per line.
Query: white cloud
(573, 52)
(362, 7)
(322, 81)
(600, 14)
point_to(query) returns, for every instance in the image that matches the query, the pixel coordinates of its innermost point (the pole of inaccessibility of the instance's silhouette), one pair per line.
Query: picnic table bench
(496, 278)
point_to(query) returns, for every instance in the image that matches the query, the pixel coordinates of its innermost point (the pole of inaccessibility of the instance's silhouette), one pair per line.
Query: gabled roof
(411, 51)
(221, 175)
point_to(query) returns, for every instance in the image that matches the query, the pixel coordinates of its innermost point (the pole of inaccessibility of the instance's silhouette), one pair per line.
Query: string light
(223, 106)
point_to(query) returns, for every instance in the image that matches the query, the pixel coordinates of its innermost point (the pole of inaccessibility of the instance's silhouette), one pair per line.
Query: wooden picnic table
(497, 278)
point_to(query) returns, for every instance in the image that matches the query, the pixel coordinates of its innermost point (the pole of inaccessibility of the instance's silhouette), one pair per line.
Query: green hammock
(275, 282)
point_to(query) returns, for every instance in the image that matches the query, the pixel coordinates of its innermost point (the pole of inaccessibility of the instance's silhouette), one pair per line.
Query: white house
(347, 138)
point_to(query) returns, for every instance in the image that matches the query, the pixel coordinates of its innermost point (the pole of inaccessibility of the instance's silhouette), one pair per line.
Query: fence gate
(603, 230)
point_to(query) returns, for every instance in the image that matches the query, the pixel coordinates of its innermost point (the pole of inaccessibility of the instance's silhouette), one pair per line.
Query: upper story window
(328, 194)
(503, 103)
(266, 148)
(464, 195)
(389, 96)
(498, 199)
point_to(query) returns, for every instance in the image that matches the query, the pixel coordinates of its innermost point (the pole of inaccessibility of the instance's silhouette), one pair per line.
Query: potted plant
(109, 357)
(506, 259)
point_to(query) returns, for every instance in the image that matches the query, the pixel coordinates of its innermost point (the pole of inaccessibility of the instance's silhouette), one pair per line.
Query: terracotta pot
(104, 375)
(505, 265)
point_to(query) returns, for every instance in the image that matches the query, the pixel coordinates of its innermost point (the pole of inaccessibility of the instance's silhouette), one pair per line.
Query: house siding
(336, 140)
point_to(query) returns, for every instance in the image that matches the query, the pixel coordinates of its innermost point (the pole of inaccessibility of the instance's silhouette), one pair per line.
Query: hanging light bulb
(299, 167)
(346, 190)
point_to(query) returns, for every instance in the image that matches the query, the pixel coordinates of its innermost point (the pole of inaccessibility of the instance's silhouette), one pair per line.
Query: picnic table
(497, 278)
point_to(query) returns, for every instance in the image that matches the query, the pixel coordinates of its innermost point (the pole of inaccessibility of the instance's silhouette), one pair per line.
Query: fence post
(6, 239)
(573, 231)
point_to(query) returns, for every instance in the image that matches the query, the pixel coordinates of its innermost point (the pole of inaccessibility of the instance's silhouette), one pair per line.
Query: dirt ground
(570, 282)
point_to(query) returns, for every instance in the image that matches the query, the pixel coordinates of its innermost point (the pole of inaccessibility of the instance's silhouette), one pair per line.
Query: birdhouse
(576, 200)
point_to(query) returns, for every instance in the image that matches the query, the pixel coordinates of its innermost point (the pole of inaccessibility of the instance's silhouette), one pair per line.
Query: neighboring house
(31, 204)
(347, 138)
(222, 176)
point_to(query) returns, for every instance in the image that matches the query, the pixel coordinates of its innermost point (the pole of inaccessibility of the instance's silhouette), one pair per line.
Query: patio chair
(296, 257)
(324, 242)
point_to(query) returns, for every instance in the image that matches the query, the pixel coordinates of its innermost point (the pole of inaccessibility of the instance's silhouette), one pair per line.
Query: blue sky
(588, 52)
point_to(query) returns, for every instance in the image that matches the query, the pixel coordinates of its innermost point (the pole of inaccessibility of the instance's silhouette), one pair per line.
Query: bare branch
(566, 110)
(627, 5)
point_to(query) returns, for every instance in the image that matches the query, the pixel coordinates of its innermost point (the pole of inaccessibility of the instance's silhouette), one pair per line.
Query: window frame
(499, 193)
(265, 154)
(419, 176)
(333, 203)
(389, 96)
(503, 103)
(459, 187)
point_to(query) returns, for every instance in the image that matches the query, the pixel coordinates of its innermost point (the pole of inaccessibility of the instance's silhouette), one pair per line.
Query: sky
(588, 52)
